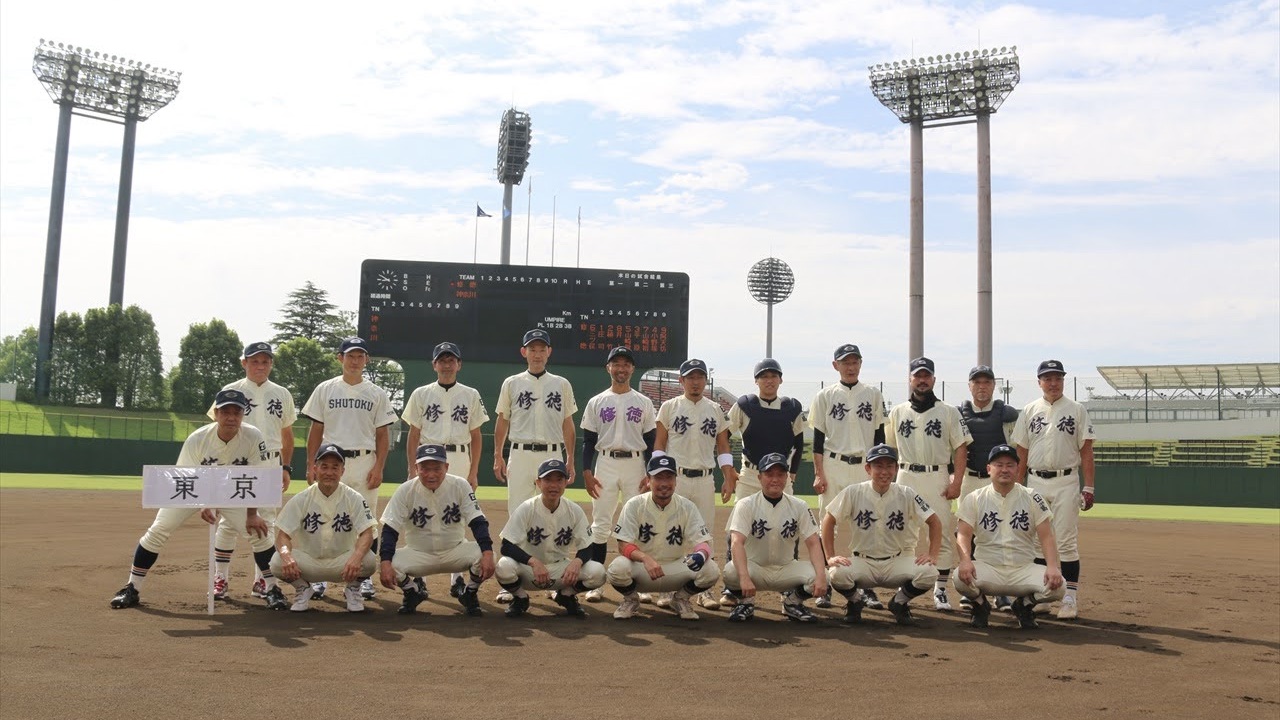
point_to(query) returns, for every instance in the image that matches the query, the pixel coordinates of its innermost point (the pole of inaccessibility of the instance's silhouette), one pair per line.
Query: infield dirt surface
(1177, 620)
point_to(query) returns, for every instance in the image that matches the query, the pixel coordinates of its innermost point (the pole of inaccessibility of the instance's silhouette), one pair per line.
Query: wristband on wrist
(287, 468)
(725, 459)
(1087, 489)
(628, 549)
(659, 453)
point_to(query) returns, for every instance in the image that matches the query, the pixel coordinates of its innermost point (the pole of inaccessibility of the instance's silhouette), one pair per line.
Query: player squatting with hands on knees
(429, 511)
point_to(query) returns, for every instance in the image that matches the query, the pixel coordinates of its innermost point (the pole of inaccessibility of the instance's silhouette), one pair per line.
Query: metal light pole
(108, 88)
(770, 281)
(513, 159)
(942, 88)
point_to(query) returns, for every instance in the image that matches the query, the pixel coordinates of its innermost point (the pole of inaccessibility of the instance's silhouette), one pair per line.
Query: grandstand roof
(1192, 377)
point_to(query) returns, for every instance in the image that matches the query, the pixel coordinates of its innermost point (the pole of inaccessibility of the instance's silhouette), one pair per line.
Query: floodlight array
(101, 83)
(770, 281)
(946, 86)
(513, 146)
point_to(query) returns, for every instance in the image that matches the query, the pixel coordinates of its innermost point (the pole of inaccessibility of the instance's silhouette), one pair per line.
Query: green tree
(388, 375)
(18, 362)
(301, 364)
(68, 364)
(121, 354)
(207, 360)
(309, 314)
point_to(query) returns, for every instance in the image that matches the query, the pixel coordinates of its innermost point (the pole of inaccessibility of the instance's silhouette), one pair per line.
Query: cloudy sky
(1136, 168)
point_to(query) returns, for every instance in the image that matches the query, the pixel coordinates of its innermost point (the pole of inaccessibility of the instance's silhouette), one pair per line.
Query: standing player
(663, 545)
(354, 414)
(536, 408)
(619, 424)
(882, 515)
(766, 532)
(546, 544)
(847, 418)
(928, 436)
(693, 429)
(226, 441)
(447, 413)
(274, 417)
(325, 534)
(429, 511)
(1055, 451)
(1007, 523)
(768, 423)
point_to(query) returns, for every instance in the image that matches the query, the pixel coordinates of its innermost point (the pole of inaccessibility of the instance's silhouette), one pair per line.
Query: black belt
(1051, 473)
(275, 453)
(623, 453)
(456, 448)
(695, 473)
(748, 464)
(850, 459)
(880, 559)
(919, 468)
(355, 453)
(536, 447)
(977, 473)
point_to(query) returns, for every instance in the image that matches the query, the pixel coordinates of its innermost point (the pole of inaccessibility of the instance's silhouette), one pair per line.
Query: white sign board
(213, 486)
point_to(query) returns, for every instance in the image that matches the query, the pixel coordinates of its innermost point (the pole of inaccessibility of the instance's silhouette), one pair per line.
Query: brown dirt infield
(1178, 620)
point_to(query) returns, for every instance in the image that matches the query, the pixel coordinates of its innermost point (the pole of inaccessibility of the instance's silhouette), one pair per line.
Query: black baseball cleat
(470, 601)
(798, 613)
(275, 599)
(127, 597)
(981, 613)
(570, 604)
(901, 612)
(870, 601)
(1026, 614)
(458, 587)
(742, 612)
(519, 606)
(853, 612)
(414, 595)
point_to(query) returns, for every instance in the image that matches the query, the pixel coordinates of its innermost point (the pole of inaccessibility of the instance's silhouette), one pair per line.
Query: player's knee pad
(591, 576)
(619, 572)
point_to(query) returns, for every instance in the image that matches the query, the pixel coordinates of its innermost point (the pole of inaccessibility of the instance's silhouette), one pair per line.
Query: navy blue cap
(846, 350)
(881, 451)
(256, 349)
(446, 348)
(231, 397)
(331, 449)
(982, 371)
(922, 363)
(692, 365)
(621, 351)
(353, 343)
(662, 464)
(431, 453)
(1049, 367)
(999, 450)
(767, 365)
(553, 465)
(536, 334)
(772, 460)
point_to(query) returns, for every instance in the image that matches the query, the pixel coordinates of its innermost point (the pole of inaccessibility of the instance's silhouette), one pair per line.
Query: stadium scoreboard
(407, 307)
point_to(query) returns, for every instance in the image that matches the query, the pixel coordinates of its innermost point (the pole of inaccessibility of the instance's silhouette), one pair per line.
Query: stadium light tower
(770, 281)
(513, 159)
(105, 87)
(937, 90)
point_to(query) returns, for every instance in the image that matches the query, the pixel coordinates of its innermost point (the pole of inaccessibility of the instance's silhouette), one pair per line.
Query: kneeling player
(430, 512)
(324, 534)
(664, 544)
(882, 516)
(546, 544)
(1003, 520)
(765, 533)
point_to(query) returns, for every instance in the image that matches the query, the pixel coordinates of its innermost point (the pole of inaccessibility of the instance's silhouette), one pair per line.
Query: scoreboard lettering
(407, 307)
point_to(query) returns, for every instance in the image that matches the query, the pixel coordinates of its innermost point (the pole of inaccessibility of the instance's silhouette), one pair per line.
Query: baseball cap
(445, 348)
(767, 365)
(553, 465)
(772, 460)
(431, 453)
(231, 397)
(692, 365)
(922, 363)
(846, 350)
(621, 351)
(881, 451)
(1048, 367)
(331, 449)
(999, 450)
(256, 349)
(353, 343)
(536, 334)
(982, 371)
(662, 464)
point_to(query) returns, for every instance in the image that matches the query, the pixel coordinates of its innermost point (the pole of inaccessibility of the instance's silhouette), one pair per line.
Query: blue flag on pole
(481, 213)
(506, 212)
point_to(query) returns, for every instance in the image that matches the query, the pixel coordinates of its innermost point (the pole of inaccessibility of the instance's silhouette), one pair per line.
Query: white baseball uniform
(882, 540)
(552, 536)
(351, 415)
(666, 534)
(536, 407)
(774, 541)
(692, 429)
(925, 443)
(1053, 436)
(446, 416)
(432, 525)
(324, 532)
(1005, 537)
(620, 421)
(848, 417)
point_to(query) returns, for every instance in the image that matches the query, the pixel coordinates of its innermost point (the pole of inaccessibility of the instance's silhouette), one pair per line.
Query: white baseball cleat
(355, 601)
(302, 600)
(594, 595)
(707, 600)
(646, 598)
(627, 608)
(940, 601)
(504, 597)
(1069, 609)
(681, 606)
(664, 600)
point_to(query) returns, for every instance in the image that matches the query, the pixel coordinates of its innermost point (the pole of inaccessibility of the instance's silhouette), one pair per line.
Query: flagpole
(579, 260)
(553, 231)
(528, 220)
(475, 244)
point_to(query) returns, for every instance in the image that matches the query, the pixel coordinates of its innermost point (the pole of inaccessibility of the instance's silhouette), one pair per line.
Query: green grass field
(1252, 516)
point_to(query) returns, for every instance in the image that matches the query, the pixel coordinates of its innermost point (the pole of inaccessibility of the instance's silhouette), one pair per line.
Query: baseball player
(226, 441)
(1008, 523)
(451, 414)
(1055, 452)
(768, 423)
(929, 436)
(325, 534)
(694, 431)
(663, 545)
(354, 414)
(766, 532)
(618, 424)
(546, 544)
(847, 418)
(274, 417)
(990, 423)
(430, 512)
(882, 515)
(536, 409)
